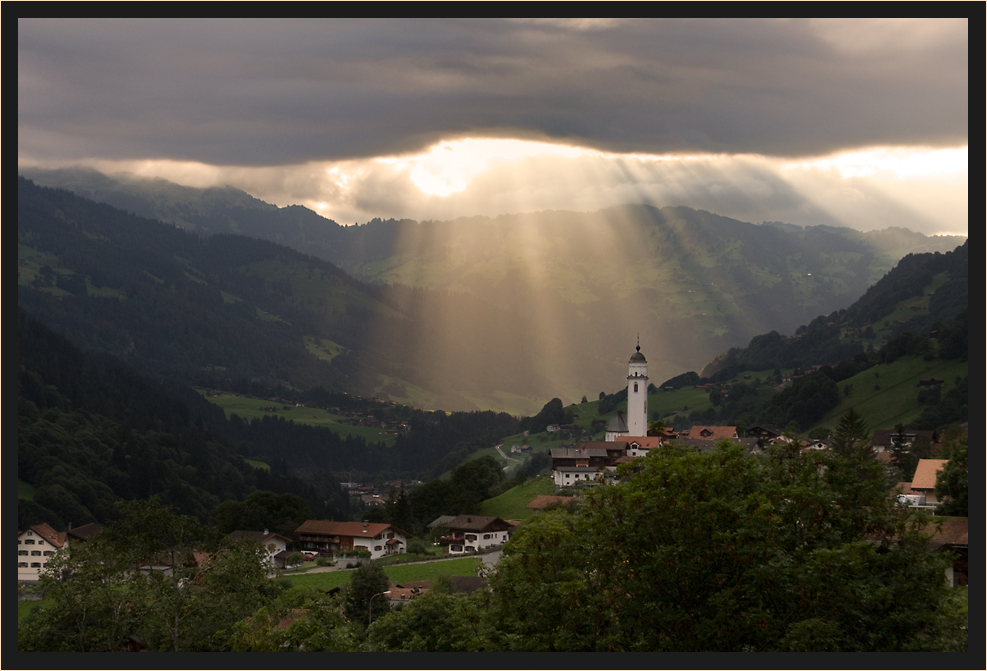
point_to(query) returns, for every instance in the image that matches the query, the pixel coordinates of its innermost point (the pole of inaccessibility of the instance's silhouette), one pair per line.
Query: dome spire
(638, 342)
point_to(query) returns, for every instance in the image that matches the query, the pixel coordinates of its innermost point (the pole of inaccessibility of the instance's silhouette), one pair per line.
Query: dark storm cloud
(280, 92)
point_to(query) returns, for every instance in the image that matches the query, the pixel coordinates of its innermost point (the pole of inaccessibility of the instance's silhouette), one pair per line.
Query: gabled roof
(925, 473)
(646, 442)
(714, 432)
(439, 521)
(45, 531)
(618, 424)
(476, 523)
(953, 531)
(84, 532)
(579, 452)
(351, 529)
(884, 437)
(259, 536)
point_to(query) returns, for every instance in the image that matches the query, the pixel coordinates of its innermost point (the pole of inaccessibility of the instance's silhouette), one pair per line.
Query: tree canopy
(153, 576)
(724, 551)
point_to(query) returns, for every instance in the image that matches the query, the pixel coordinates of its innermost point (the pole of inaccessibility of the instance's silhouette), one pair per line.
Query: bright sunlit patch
(449, 167)
(899, 162)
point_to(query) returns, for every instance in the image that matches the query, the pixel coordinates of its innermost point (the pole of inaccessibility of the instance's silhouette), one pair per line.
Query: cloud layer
(300, 110)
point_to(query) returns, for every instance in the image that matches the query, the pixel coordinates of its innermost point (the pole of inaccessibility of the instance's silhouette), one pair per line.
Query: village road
(506, 458)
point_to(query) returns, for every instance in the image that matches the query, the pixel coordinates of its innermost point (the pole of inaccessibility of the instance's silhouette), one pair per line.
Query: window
(22, 553)
(22, 564)
(35, 553)
(48, 553)
(41, 542)
(635, 387)
(377, 548)
(486, 536)
(29, 541)
(35, 564)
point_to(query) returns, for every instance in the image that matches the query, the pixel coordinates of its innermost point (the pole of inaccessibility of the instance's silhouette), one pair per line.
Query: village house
(35, 546)
(329, 537)
(275, 544)
(884, 439)
(472, 533)
(924, 480)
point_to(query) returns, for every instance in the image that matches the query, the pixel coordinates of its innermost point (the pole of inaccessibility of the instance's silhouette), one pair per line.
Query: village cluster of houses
(583, 464)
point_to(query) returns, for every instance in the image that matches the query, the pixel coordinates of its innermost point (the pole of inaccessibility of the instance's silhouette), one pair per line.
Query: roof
(439, 521)
(85, 531)
(580, 452)
(885, 436)
(618, 423)
(352, 529)
(715, 432)
(476, 523)
(45, 531)
(905, 487)
(925, 473)
(954, 531)
(406, 590)
(259, 536)
(646, 442)
(637, 357)
(542, 501)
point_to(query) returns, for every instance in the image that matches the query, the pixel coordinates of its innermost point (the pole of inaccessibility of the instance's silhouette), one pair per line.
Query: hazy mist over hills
(560, 295)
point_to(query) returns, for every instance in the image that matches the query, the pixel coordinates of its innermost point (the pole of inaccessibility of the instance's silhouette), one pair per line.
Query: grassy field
(887, 393)
(258, 464)
(511, 504)
(250, 408)
(465, 566)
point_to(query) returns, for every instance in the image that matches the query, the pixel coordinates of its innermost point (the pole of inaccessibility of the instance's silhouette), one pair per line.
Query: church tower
(637, 394)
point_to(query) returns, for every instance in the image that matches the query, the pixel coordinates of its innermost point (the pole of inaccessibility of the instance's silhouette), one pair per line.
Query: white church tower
(637, 394)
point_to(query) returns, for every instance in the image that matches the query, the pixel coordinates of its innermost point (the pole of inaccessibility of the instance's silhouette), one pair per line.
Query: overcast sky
(848, 122)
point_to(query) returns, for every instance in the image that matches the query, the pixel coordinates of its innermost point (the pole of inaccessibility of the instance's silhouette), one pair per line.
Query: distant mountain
(555, 298)
(231, 310)
(922, 294)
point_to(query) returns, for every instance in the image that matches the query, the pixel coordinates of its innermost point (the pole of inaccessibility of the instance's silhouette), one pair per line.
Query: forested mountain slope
(231, 309)
(92, 432)
(572, 289)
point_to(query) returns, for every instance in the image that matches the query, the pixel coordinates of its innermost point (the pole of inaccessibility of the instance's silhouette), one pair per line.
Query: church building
(635, 423)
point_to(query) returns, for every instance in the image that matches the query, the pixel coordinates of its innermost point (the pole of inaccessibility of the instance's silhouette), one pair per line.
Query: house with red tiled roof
(329, 537)
(713, 432)
(35, 546)
(924, 480)
(642, 446)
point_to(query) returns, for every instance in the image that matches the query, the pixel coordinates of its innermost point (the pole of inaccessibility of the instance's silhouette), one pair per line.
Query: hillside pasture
(511, 504)
(887, 394)
(249, 408)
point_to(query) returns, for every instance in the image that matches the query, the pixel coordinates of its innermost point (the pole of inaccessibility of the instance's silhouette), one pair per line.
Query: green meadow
(249, 408)
(431, 570)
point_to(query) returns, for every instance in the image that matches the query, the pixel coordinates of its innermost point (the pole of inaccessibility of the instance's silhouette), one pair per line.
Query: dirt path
(506, 458)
